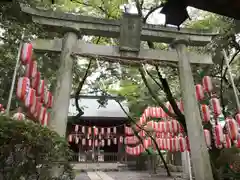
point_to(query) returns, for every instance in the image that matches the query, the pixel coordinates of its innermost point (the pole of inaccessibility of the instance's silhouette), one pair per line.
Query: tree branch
(153, 94)
(150, 12)
(166, 88)
(80, 85)
(139, 8)
(232, 59)
(154, 79)
(221, 89)
(154, 141)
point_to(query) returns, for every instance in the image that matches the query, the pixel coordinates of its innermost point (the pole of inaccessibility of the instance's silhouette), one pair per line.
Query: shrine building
(99, 131)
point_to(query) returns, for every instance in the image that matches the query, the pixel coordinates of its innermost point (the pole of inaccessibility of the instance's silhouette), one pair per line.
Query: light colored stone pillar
(186, 166)
(199, 154)
(58, 121)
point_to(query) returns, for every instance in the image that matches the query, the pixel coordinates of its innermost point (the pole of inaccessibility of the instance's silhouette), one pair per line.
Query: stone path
(125, 175)
(97, 175)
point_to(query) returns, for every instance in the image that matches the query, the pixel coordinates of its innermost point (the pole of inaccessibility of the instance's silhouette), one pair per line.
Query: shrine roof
(92, 108)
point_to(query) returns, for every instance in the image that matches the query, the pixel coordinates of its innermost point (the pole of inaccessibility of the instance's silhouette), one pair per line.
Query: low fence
(89, 157)
(145, 162)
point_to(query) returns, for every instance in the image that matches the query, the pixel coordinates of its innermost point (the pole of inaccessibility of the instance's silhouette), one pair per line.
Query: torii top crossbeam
(111, 28)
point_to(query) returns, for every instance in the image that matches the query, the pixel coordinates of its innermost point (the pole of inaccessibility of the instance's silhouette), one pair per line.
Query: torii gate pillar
(63, 86)
(199, 155)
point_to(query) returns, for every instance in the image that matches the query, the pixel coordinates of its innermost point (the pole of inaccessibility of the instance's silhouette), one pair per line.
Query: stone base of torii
(131, 32)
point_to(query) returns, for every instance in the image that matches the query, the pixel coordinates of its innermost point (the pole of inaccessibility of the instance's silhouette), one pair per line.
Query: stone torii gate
(130, 32)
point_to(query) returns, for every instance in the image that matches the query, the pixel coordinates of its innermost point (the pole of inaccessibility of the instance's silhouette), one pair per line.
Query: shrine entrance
(131, 32)
(98, 135)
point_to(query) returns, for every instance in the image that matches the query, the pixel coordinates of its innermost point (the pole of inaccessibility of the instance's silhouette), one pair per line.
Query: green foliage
(30, 151)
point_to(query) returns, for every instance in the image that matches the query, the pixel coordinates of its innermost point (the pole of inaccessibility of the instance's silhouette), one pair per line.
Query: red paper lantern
(102, 130)
(31, 69)
(33, 106)
(134, 151)
(89, 130)
(169, 107)
(219, 138)
(48, 99)
(95, 131)
(147, 112)
(76, 140)
(174, 126)
(83, 129)
(199, 92)
(109, 142)
(121, 139)
(159, 112)
(163, 126)
(46, 119)
(38, 109)
(165, 144)
(26, 53)
(142, 120)
(29, 98)
(36, 81)
(22, 87)
(41, 88)
(227, 141)
(237, 117)
(42, 115)
(176, 144)
(114, 130)
(207, 137)
(103, 142)
(232, 128)
(216, 106)
(147, 143)
(205, 113)
(170, 144)
(182, 144)
(83, 141)
(180, 106)
(207, 84)
(114, 140)
(109, 130)
(142, 133)
(187, 143)
(76, 128)
(168, 127)
(70, 138)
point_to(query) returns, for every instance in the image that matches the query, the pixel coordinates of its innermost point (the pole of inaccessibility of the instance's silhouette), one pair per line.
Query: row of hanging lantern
(32, 90)
(97, 142)
(158, 112)
(90, 130)
(170, 126)
(166, 130)
(174, 144)
(221, 139)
